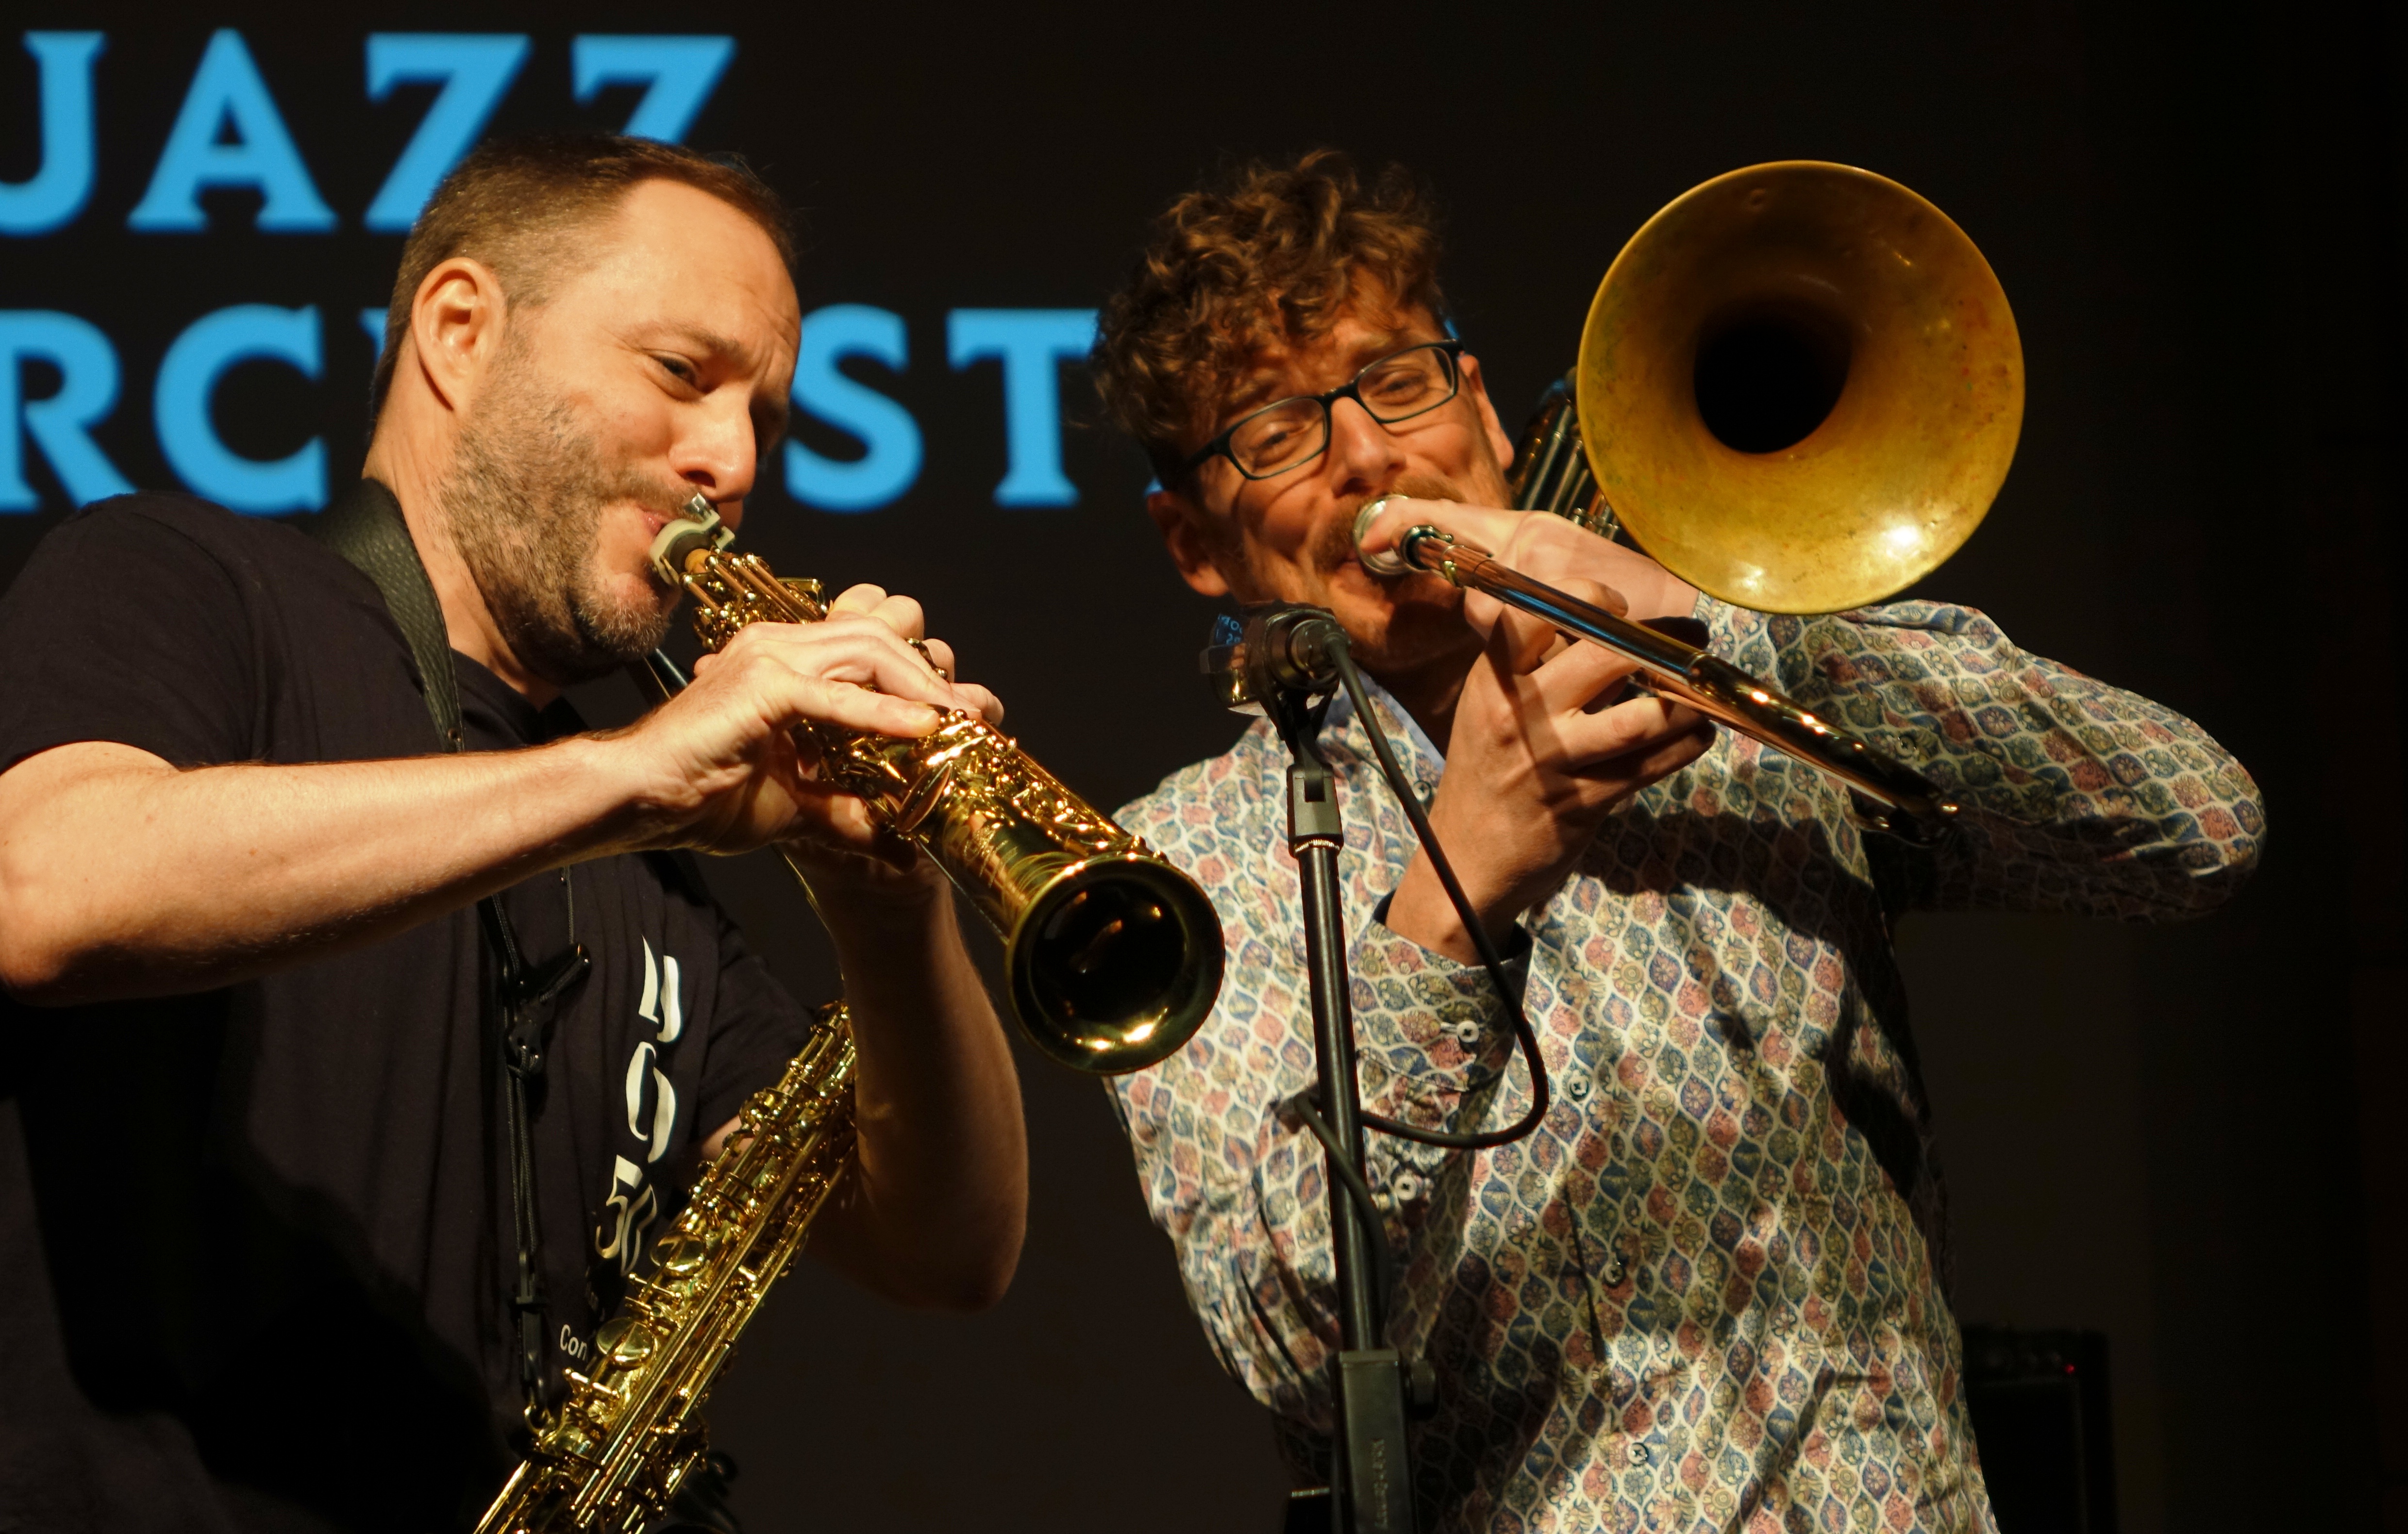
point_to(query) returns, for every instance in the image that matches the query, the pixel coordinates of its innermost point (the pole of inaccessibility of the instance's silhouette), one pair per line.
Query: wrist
(1419, 911)
(638, 807)
(860, 898)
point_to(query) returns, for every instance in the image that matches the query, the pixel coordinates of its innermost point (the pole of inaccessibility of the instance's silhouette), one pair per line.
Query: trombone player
(1710, 1290)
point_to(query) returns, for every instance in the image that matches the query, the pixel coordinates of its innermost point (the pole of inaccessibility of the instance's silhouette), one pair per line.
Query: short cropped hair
(1270, 253)
(518, 205)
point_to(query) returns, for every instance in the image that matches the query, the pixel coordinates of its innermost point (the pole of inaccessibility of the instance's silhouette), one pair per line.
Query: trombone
(1799, 390)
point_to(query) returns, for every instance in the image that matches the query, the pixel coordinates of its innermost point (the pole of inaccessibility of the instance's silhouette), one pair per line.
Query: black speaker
(2041, 1416)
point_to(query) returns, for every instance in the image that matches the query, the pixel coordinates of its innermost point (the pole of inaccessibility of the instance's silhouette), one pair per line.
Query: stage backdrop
(2157, 1133)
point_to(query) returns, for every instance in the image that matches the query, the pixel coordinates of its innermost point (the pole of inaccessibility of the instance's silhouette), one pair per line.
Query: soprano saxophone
(1113, 955)
(630, 1431)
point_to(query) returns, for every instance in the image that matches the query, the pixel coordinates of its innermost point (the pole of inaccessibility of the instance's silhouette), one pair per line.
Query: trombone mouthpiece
(1387, 563)
(1398, 557)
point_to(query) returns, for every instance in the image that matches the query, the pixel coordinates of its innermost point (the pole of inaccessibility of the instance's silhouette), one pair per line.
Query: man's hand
(1540, 753)
(730, 775)
(935, 1210)
(1544, 548)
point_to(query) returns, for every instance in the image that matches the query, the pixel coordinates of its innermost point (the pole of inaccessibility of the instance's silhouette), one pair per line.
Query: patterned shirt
(1708, 1293)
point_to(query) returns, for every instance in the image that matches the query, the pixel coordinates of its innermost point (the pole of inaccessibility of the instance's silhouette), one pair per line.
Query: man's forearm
(938, 1203)
(121, 876)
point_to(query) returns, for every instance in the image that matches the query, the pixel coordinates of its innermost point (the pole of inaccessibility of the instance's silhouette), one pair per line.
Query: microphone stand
(1370, 1483)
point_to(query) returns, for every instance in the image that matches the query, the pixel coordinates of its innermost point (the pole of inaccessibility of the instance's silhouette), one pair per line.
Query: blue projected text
(230, 133)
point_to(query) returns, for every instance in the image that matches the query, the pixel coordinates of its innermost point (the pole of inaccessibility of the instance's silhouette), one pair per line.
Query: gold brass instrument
(630, 1430)
(1799, 390)
(1551, 471)
(1114, 958)
(1113, 955)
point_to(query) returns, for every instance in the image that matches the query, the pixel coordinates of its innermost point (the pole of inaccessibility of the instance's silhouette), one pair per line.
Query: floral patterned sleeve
(2078, 797)
(1229, 1172)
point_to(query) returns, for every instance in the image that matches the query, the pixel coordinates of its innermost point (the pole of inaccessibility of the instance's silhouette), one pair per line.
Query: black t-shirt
(256, 1244)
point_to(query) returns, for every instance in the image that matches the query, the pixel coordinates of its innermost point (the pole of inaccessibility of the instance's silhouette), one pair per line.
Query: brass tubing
(1706, 682)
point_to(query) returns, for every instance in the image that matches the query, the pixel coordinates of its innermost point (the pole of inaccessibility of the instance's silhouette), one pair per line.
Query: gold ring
(921, 646)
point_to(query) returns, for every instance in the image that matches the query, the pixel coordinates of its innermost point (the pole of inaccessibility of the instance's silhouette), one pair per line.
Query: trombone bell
(1800, 387)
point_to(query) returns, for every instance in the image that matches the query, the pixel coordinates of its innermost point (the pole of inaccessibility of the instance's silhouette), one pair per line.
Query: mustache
(668, 498)
(1335, 545)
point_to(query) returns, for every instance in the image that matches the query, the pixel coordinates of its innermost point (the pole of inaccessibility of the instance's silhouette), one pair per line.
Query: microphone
(1278, 647)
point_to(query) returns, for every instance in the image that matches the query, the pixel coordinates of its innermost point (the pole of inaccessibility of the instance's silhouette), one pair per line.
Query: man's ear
(455, 329)
(1498, 443)
(1174, 518)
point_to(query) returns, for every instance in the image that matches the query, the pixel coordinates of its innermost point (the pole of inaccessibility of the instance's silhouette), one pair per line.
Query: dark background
(2176, 1136)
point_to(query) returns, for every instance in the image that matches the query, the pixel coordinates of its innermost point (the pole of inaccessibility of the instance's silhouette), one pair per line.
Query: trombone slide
(1909, 804)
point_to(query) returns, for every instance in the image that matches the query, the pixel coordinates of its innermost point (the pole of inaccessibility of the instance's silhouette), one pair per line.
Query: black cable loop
(1540, 1098)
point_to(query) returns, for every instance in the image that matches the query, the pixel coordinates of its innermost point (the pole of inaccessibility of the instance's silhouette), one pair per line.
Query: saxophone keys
(680, 1254)
(624, 1342)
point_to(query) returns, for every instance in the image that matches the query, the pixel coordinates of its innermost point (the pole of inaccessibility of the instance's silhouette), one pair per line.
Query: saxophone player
(1710, 1290)
(272, 1252)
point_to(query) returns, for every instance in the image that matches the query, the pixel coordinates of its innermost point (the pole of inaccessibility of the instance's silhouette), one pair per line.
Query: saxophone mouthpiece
(698, 528)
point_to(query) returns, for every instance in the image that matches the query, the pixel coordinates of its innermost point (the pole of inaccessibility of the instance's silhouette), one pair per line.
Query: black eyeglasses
(1290, 433)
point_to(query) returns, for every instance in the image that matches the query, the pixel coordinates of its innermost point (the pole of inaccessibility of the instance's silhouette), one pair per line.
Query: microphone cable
(1296, 650)
(1300, 648)
(1541, 1098)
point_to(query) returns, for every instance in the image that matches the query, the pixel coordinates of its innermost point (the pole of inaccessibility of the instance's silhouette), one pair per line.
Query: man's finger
(829, 819)
(972, 698)
(1517, 642)
(850, 648)
(903, 615)
(859, 600)
(1673, 756)
(1579, 676)
(1490, 528)
(1595, 593)
(791, 697)
(1486, 615)
(1643, 724)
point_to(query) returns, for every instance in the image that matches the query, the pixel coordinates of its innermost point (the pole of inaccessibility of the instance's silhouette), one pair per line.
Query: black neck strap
(366, 526)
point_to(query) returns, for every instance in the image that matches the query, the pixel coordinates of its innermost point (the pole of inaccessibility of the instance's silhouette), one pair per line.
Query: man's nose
(1361, 448)
(716, 452)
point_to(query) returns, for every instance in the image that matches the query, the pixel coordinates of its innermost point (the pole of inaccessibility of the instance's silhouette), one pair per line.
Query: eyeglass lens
(1419, 378)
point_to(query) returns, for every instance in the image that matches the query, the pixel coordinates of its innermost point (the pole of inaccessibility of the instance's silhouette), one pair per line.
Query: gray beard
(524, 500)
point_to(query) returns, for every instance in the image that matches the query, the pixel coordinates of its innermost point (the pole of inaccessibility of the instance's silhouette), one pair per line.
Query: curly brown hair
(1272, 254)
(522, 206)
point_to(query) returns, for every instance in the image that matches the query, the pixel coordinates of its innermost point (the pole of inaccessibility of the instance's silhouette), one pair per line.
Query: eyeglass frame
(1451, 348)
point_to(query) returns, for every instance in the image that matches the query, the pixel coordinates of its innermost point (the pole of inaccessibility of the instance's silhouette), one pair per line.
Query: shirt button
(1639, 1453)
(1577, 1088)
(1467, 1034)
